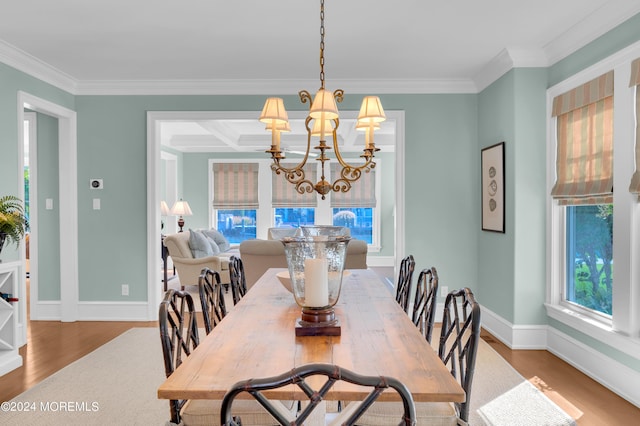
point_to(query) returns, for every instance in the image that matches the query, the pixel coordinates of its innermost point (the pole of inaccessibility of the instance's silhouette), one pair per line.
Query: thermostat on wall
(96, 184)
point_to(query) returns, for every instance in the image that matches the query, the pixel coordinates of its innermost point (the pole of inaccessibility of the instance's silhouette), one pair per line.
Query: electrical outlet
(125, 289)
(444, 290)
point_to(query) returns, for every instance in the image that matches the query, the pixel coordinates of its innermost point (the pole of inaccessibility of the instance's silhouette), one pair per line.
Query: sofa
(188, 265)
(259, 255)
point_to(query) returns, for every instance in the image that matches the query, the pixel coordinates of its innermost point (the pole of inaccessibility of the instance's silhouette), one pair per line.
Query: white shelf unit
(10, 339)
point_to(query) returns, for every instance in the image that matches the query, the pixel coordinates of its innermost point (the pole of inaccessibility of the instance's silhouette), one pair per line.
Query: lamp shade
(371, 110)
(317, 129)
(273, 111)
(324, 106)
(181, 208)
(164, 208)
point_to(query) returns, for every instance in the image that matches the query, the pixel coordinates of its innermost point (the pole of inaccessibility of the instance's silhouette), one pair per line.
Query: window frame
(622, 329)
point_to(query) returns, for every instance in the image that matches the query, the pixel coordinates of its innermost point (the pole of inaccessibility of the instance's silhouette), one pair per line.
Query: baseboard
(514, 336)
(94, 311)
(610, 373)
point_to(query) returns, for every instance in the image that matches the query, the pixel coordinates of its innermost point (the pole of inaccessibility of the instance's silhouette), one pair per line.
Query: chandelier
(322, 122)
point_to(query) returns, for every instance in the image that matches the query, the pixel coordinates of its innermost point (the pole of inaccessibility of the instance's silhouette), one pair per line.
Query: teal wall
(512, 265)
(496, 123)
(441, 197)
(11, 81)
(48, 220)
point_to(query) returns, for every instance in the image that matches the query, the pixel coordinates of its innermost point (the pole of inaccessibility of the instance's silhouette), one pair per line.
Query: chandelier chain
(322, 44)
(274, 110)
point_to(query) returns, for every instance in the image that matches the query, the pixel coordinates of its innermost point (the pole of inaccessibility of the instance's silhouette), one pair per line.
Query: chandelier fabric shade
(324, 106)
(371, 111)
(274, 112)
(323, 120)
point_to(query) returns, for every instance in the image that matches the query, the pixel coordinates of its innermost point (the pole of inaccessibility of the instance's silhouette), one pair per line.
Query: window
(589, 256)
(293, 209)
(235, 200)
(584, 184)
(355, 209)
(280, 205)
(358, 220)
(592, 231)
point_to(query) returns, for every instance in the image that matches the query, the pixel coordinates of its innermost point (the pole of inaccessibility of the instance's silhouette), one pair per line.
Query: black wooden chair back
(403, 287)
(178, 335)
(333, 373)
(211, 293)
(459, 341)
(237, 278)
(424, 306)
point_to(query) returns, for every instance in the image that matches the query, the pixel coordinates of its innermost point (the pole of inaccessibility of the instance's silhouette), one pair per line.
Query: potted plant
(13, 221)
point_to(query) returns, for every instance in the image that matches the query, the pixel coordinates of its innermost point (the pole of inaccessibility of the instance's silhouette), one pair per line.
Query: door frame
(67, 204)
(154, 119)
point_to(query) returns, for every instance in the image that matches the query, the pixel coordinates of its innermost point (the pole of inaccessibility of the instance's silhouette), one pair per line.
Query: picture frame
(493, 188)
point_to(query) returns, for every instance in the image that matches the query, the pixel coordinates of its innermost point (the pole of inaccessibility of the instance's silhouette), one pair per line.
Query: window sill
(598, 330)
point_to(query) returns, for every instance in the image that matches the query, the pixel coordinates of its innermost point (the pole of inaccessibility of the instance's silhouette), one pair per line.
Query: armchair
(190, 268)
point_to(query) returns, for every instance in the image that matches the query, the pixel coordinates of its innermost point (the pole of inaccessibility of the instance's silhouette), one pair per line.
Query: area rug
(116, 385)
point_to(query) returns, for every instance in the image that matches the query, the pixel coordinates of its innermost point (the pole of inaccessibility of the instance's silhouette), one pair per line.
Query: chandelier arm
(346, 167)
(295, 177)
(298, 169)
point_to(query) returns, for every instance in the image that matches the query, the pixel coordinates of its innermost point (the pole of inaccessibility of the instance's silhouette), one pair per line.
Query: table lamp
(181, 208)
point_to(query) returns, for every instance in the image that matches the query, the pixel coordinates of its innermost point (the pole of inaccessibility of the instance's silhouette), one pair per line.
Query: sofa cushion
(218, 238)
(199, 244)
(214, 247)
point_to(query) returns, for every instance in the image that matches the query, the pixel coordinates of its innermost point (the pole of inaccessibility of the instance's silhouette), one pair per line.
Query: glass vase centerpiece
(315, 258)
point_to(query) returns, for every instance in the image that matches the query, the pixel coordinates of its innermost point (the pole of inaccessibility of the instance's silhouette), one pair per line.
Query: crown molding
(22, 61)
(595, 25)
(508, 59)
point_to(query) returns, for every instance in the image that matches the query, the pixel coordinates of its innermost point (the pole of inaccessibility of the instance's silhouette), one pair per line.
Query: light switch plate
(96, 203)
(49, 204)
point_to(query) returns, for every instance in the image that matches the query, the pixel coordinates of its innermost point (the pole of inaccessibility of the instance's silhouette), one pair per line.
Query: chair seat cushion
(207, 412)
(427, 413)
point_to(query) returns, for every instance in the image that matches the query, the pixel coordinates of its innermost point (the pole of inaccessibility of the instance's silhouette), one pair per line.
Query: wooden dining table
(257, 339)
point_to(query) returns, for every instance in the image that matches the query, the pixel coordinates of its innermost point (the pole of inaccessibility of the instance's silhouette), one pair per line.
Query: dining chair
(459, 341)
(424, 301)
(178, 335)
(403, 286)
(237, 278)
(332, 374)
(457, 349)
(214, 308)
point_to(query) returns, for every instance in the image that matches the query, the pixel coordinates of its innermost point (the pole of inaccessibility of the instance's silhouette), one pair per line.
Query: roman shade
(634, 187)
(361, 194)
(584, 161)
(284, 194)
(235, 185)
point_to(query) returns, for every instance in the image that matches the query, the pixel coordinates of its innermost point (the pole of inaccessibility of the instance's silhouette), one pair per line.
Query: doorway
(155, 121)
(66, 201)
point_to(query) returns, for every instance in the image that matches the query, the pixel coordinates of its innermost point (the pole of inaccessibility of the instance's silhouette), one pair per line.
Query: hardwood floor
(53, 345)
(584, 399)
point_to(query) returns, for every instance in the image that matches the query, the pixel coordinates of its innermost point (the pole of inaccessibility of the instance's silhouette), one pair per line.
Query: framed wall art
(493, 188)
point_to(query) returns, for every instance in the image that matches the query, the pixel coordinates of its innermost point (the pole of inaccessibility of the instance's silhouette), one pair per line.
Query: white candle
(316, 283)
